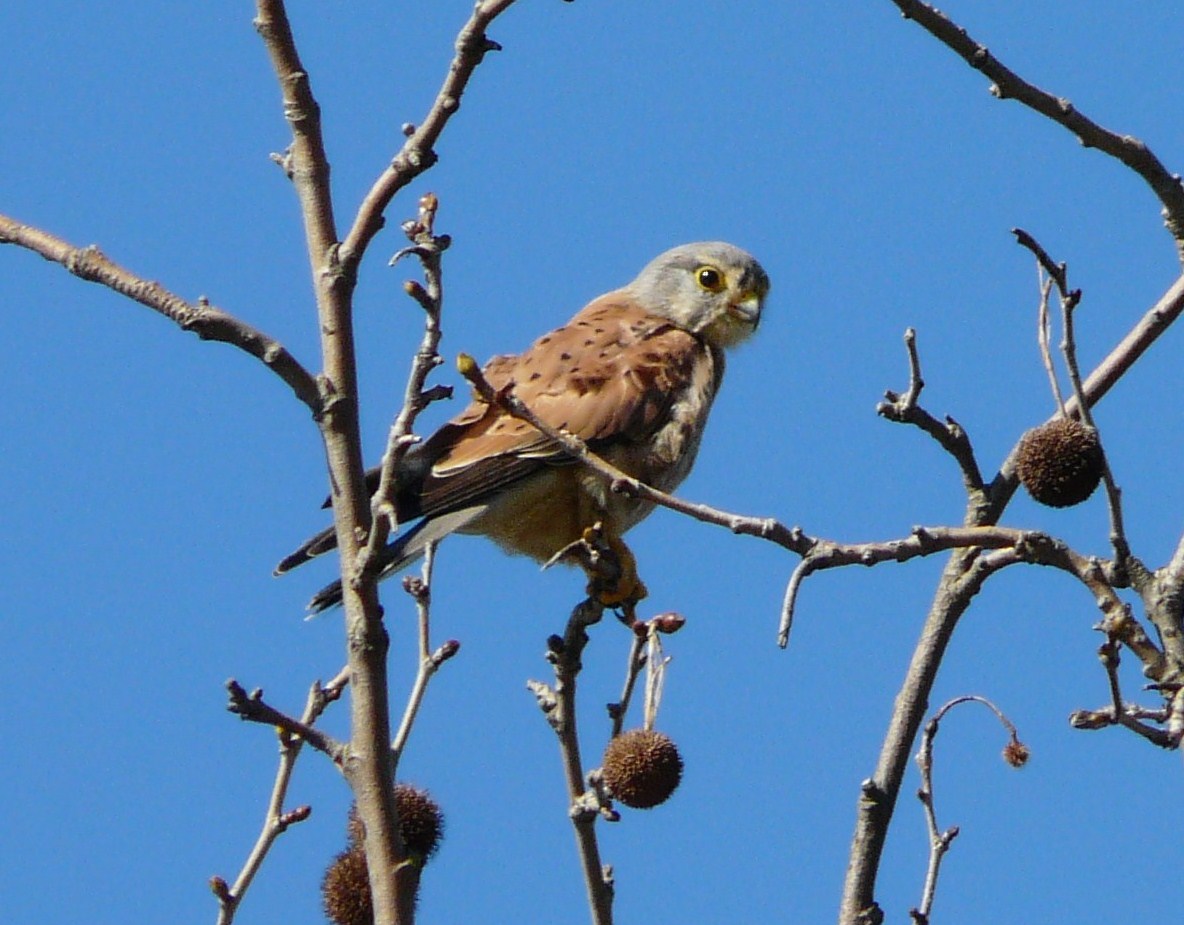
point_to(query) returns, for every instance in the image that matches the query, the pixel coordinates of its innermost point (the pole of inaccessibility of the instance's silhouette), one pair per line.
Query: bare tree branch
(818, 553)
(276, 821)
(369, 768)
(1015, 753)
(428, 247)
(1006, 84)
(961, 580)
(634, 664)
(558, 704)
(254, 708)
(429, 662)
(203, 319)
(417, 153)
(904, 409)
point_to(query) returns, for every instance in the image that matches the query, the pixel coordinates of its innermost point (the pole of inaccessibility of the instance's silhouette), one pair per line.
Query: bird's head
(712, 289)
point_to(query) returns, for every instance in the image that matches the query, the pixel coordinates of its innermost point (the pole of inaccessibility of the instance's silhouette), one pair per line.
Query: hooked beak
(746, 309)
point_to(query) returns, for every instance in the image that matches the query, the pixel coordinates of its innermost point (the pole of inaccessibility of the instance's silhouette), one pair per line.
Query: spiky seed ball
(421, 822)
(642, 768)
(1016, 753)
(1060, 463)
(345, 890)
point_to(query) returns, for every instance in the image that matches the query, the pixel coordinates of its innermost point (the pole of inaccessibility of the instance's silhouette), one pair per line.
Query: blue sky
(151, 481)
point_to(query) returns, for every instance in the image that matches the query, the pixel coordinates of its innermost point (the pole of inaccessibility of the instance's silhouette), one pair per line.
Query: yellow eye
(709, 278)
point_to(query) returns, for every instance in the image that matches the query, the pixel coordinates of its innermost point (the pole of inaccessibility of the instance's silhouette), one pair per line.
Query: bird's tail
(314, 546)
(397, 555)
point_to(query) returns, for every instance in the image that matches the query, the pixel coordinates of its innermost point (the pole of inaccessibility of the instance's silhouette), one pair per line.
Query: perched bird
(633, 374)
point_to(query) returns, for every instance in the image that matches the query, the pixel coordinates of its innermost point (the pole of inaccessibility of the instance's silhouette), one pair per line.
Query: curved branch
(1006, 84)
(203, 319)
(951, 436)
(1015, 753)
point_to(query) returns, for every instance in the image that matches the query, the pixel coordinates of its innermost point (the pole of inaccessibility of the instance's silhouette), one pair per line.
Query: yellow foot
(619, 584)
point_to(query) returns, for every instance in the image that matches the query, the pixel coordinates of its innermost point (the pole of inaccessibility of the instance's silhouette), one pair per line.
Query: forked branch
(277, 820)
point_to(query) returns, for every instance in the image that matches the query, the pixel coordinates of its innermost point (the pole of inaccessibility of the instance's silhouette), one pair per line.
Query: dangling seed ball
(1060, 463)
(642, 768)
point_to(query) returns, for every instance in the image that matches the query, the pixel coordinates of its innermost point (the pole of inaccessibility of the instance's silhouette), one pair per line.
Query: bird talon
(622, 587)
(623, 594)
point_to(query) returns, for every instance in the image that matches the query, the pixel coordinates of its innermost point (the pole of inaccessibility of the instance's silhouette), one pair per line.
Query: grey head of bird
(713, 289)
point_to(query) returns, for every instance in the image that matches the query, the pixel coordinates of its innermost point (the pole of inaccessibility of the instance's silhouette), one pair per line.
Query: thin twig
(634, 665)
(1058, 273)
(205, 320)
(1118, 540)
(905, 409)
(655, 676)
(276, 821)
(1044, 338)
(417, 154)
(428, 247)
(1015, 753)
(253, 708)
(429, 662)
(766, 528)
(1030, 546)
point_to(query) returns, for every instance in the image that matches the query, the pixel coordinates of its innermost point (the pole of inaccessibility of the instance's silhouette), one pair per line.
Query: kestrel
(633, 375)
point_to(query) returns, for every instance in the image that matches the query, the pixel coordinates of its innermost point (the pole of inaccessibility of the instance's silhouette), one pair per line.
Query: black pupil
(709, 278)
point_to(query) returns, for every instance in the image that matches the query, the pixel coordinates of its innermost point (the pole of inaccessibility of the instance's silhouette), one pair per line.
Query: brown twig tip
(668, 623)
(445, 652)
(417, 588)
(429, 203)
(299, 814)
(239, 698)
(221, 889)
(1053, 269)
